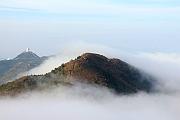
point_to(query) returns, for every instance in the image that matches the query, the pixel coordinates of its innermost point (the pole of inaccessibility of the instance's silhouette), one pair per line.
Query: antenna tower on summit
(27, 49)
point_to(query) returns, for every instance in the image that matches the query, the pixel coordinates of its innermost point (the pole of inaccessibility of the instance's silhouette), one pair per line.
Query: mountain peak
(92, 56)
(27, 55)
(112, 73)
(10, 69)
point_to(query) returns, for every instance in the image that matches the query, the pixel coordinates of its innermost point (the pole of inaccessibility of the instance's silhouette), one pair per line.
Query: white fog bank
(89, 103)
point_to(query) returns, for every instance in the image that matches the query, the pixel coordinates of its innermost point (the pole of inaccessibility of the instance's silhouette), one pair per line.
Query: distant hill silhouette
(9, 69)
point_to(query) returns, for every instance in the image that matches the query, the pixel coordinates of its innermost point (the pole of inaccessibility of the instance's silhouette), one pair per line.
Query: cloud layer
(92, 102)
(164, 66)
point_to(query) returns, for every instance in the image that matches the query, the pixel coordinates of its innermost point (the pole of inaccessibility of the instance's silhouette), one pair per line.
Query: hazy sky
(46, 26)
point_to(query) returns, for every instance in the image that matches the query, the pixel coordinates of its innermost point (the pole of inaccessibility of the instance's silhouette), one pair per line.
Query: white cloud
(164, 66)
(89, 103)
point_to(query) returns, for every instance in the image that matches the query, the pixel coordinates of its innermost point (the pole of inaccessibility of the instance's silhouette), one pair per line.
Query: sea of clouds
(84, 102)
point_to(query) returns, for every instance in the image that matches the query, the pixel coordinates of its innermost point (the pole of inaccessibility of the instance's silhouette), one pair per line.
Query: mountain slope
(89, 68)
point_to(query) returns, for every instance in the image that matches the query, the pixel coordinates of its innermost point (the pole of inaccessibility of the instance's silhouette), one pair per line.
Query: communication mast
(27, 49)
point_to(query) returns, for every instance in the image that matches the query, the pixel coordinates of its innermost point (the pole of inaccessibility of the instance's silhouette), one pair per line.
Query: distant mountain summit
(88, 68)
(10, 69)
(27, 56)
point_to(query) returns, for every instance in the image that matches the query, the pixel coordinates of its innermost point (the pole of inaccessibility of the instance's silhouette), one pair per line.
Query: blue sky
(129, 25)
